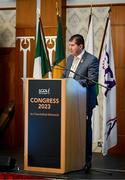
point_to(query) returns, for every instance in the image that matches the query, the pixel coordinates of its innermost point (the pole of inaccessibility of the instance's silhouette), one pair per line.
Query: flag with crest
(107, 78)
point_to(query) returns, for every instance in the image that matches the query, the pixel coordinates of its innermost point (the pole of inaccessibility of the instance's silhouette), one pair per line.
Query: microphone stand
(82, 76)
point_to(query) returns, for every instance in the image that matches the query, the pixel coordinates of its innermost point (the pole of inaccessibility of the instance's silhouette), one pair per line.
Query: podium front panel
(55, 116)
(44, 123)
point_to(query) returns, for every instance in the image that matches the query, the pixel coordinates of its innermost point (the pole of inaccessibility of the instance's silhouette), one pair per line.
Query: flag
(107, 78)
(89, 46)
(41, 62)
(60, 52)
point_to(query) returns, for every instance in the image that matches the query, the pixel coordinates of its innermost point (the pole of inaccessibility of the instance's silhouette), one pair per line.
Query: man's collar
(81, 54)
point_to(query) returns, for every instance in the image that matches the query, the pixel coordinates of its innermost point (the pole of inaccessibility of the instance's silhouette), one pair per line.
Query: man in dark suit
(84, 65)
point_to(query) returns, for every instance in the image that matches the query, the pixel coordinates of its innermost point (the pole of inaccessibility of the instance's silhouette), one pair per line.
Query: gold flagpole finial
(57, 8)
(109, 11)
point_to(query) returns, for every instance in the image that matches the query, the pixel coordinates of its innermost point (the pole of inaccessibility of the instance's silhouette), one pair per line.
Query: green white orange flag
(41, 61)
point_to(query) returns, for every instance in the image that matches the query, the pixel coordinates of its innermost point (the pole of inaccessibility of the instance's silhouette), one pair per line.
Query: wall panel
(11, 63)
(118, 36)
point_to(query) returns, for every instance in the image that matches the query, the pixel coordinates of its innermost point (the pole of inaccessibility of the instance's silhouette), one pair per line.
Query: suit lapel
(81, 61)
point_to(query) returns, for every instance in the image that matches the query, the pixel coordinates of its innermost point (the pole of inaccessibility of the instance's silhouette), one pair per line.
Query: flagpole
(38, 9)
(57, 9)
(104, 33)
(89, 43)
(90, 16)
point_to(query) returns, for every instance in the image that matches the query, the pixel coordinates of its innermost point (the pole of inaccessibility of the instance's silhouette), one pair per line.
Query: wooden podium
(55, 125)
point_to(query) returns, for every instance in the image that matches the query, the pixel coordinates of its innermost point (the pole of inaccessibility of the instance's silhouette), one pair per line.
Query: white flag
(89, 44)
(107, 78)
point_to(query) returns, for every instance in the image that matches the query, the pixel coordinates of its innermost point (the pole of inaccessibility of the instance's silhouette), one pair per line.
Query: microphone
(82, 76)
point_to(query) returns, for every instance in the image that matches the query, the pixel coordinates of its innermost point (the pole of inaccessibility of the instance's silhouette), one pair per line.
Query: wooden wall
(11, 65)
(118, 36)
(49, 18)
(7, 90)
(25, 26)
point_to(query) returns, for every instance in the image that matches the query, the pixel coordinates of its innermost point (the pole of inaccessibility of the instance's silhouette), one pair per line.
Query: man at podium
(83, 67)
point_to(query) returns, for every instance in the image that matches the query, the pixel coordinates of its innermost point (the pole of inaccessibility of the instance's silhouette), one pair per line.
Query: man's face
(75, 49)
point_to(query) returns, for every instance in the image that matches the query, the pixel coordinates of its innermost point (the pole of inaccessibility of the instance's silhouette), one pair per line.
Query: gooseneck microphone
(82, 76)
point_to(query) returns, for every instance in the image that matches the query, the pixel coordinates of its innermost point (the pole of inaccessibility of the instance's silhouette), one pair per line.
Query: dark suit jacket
(89, 67)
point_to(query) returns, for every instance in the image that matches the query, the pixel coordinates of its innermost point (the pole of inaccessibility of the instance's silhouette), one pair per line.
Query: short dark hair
(78, 39)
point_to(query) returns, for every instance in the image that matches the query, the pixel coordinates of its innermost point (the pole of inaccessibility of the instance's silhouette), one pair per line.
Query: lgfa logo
(44, 91)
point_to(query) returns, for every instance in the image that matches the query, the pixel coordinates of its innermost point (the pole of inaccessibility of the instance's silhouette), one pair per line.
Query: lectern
(55, 125)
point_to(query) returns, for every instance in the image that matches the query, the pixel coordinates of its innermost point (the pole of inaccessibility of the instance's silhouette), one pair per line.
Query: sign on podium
(55, 125)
